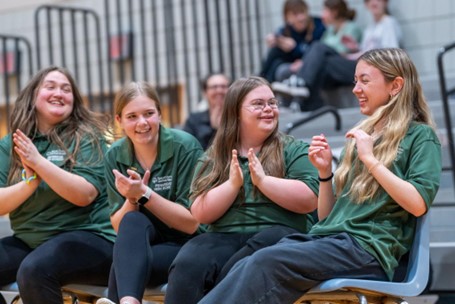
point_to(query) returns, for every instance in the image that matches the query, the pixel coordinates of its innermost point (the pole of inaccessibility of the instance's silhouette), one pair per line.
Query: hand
(235, 172)
(320, 154)
(271, 41)
(26, 150)
(256, 169)
(350, 43)
(131, 187)
(285, 43)
(296, 65)
(364, 143)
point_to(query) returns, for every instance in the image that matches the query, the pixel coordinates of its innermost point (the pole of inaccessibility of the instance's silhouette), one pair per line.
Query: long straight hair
(215, 168)
(396, 116)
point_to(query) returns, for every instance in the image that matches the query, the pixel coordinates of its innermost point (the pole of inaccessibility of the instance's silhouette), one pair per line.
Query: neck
(146, 156)
(378, 17)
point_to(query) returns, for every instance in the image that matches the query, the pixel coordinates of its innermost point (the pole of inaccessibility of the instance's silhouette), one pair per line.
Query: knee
(134, 221)
(30, 272)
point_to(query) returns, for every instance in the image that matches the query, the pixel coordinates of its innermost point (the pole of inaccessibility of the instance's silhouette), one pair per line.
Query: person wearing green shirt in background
(148, 175)
(53, 187)
(388, 176)
(253, 186)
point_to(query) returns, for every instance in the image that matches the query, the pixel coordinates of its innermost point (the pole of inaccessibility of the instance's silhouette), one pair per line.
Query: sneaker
(104, 301)
(293, 86)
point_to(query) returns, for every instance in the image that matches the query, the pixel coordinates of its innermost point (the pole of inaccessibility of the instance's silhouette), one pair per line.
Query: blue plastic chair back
(416, 277)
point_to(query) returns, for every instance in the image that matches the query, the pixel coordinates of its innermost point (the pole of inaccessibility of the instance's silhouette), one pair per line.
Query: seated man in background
(203, 125)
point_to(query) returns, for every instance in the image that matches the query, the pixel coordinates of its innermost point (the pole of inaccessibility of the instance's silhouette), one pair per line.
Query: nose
(357, 89)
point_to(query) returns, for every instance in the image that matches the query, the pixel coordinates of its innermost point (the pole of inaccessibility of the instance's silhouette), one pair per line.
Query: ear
(118, 119)
(397, 85)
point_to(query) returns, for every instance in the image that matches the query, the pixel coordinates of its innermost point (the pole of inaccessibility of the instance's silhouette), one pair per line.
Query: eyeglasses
(260, 104)
(217, 86)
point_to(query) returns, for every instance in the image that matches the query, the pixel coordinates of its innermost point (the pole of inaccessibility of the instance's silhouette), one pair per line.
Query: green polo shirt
(46, 214)
(381, 226)
(252, 211)
(170, 177)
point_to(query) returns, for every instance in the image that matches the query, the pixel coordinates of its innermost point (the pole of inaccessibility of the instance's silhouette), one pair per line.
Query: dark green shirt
(170, 177)
(46, 214)
(380, 225)
(252, 211)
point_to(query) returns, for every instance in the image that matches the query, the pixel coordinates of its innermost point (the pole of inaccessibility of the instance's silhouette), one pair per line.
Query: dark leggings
(141, 258)
(207, 258)
(70, 257)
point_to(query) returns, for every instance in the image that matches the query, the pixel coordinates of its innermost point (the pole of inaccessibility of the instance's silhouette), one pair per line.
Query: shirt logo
(55, 155)
(162, 182)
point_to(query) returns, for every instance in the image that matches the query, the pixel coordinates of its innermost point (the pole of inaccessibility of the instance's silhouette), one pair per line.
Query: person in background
(288, 45)
(384, 182)
(327, 68)
(148, 176)
(253, 186)
(203, 125)
(53, 187)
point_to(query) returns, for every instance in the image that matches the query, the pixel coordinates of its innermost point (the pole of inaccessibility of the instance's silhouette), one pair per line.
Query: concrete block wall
(427, 25)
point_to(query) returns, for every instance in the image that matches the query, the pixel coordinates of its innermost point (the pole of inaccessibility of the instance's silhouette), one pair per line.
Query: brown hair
(341, 8)
(298, 6)
(133, 90)
(81, 123)
(215, 169)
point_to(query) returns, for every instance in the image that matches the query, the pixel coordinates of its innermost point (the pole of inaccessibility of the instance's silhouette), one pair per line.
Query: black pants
(207, 258)
(324, 67)
(70, 257)
(141, 258)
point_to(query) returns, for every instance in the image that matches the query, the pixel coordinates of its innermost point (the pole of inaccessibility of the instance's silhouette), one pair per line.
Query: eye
(149, 113)
(131, 116)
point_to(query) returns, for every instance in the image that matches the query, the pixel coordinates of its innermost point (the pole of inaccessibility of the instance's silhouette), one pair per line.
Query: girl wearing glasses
(253, 186)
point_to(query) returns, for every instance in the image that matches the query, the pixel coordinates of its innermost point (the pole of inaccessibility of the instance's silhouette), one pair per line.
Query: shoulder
(118, 145)
(5, 141)
(182, 139)
(291, 144)
(422, 132)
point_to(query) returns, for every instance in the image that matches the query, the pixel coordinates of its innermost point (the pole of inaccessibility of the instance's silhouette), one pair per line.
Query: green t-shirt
(381, 226)
(170, 177)
(252, 211)
(334, 39)
(46, 214)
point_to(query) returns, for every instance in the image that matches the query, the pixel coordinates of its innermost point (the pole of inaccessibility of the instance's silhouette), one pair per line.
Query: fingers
(146, 178)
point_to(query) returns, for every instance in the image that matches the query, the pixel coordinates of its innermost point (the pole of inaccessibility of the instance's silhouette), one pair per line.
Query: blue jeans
(207, 258)
(70, 257)
(284, 272)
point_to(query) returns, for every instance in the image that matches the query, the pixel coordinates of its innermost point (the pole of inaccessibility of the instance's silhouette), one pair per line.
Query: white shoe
(104, 301)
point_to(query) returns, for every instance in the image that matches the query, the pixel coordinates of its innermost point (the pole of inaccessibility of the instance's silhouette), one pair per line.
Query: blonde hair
(395, 117)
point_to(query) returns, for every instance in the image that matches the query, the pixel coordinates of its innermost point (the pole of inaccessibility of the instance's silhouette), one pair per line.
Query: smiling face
(140, 120)
(255, 122)
(54, 100)
(216, 89)
(371, 88)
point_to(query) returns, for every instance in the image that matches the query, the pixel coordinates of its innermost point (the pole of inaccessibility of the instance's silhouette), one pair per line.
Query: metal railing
(445, 93)
(15, 54)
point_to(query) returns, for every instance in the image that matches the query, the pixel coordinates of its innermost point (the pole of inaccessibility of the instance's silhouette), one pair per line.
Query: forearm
(14, 196)
(172, 214)
(326, 199)
(290, 194)
(210, 207)
(117, 217)
(71, 187)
